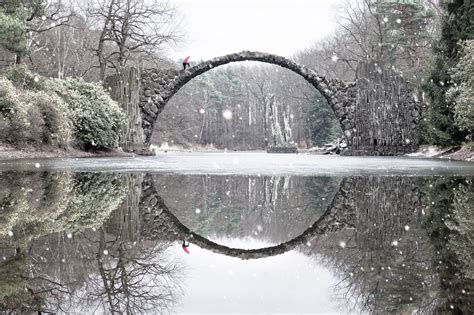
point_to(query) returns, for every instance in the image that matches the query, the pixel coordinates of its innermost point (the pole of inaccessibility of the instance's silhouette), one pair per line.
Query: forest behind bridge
(428, 42)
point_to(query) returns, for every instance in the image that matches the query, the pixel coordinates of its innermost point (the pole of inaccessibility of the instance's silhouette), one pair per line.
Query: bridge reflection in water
(78, 241)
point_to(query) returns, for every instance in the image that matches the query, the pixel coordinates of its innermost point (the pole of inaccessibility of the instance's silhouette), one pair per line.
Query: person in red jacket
(186, 62)
(185, 247)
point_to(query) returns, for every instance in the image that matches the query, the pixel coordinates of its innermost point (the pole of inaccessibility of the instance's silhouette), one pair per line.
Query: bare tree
(132, 30)
(394, 33)
(134, 279)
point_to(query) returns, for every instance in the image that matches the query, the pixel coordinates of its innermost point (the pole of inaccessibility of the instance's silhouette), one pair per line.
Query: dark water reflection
(111, 243)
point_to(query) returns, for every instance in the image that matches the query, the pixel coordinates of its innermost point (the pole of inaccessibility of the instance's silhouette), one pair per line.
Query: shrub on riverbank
(32, 117)
(36, 110)
(96, 118)
(22, 121)
(54, 116)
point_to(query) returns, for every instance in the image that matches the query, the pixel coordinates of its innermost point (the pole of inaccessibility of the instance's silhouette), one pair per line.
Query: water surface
(266, 233)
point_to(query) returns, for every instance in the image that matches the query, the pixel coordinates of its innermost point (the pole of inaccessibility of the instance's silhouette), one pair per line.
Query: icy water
(262, 234)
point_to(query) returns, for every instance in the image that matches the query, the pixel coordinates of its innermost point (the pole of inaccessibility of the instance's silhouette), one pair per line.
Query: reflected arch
(157, 221)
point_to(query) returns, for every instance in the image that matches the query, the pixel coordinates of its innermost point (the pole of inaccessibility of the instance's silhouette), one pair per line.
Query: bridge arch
(159, 86)
(379, 113)
(157, 220)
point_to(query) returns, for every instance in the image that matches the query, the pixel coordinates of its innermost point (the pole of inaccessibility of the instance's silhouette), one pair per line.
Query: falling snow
(227, 114)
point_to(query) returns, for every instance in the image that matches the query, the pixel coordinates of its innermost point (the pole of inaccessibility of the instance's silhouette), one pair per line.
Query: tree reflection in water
(407, 249)
(95, 270)
(404, 244)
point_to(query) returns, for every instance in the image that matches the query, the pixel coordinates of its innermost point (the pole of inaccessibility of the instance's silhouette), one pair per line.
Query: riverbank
(8, 152)
(451, 153)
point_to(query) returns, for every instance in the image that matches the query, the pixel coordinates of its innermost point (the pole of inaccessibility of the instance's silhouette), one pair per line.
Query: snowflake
(227, 114)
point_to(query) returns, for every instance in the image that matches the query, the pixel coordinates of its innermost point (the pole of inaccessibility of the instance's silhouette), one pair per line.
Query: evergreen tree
(322, 122)
(15, 18)
(458, 25)
(462, 93)
(402, 31)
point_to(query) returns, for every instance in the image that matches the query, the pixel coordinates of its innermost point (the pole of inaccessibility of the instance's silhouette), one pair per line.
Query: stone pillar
(387, 113)
(125, 221)
(124, 88)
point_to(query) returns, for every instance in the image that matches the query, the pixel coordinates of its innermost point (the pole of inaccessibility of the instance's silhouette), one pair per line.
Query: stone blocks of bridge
(154, 91)
(159, 85)
(378, 113)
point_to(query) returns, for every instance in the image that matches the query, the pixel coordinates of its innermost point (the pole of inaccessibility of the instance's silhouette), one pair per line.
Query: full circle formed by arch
(334, 218)
(158, 86)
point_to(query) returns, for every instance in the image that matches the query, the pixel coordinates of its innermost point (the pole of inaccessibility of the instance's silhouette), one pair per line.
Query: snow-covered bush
(32, 116)
(40, 110)
(19, 126)
(55, 116)
(96, 118)
(8, 98)
(23, 78)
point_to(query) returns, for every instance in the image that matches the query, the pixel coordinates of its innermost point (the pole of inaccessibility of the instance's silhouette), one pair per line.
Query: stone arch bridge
(373, 206)
(157, 222)
(376, 208)
(378, 112)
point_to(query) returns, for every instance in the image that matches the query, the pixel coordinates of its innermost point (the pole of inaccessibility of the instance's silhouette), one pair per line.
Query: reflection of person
(185, 247)
(186, 62)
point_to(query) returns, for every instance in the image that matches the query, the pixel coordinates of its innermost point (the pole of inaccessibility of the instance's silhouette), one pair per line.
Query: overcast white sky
(284, 27)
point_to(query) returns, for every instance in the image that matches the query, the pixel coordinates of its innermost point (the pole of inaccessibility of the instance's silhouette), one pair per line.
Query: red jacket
(185, 248)
(186, 60)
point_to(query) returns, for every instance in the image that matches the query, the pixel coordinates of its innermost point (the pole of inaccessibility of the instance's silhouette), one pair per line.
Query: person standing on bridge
(186, 62)
(185, 247)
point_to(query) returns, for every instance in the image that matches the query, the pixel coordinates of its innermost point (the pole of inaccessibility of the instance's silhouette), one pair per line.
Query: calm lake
(237, 233)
